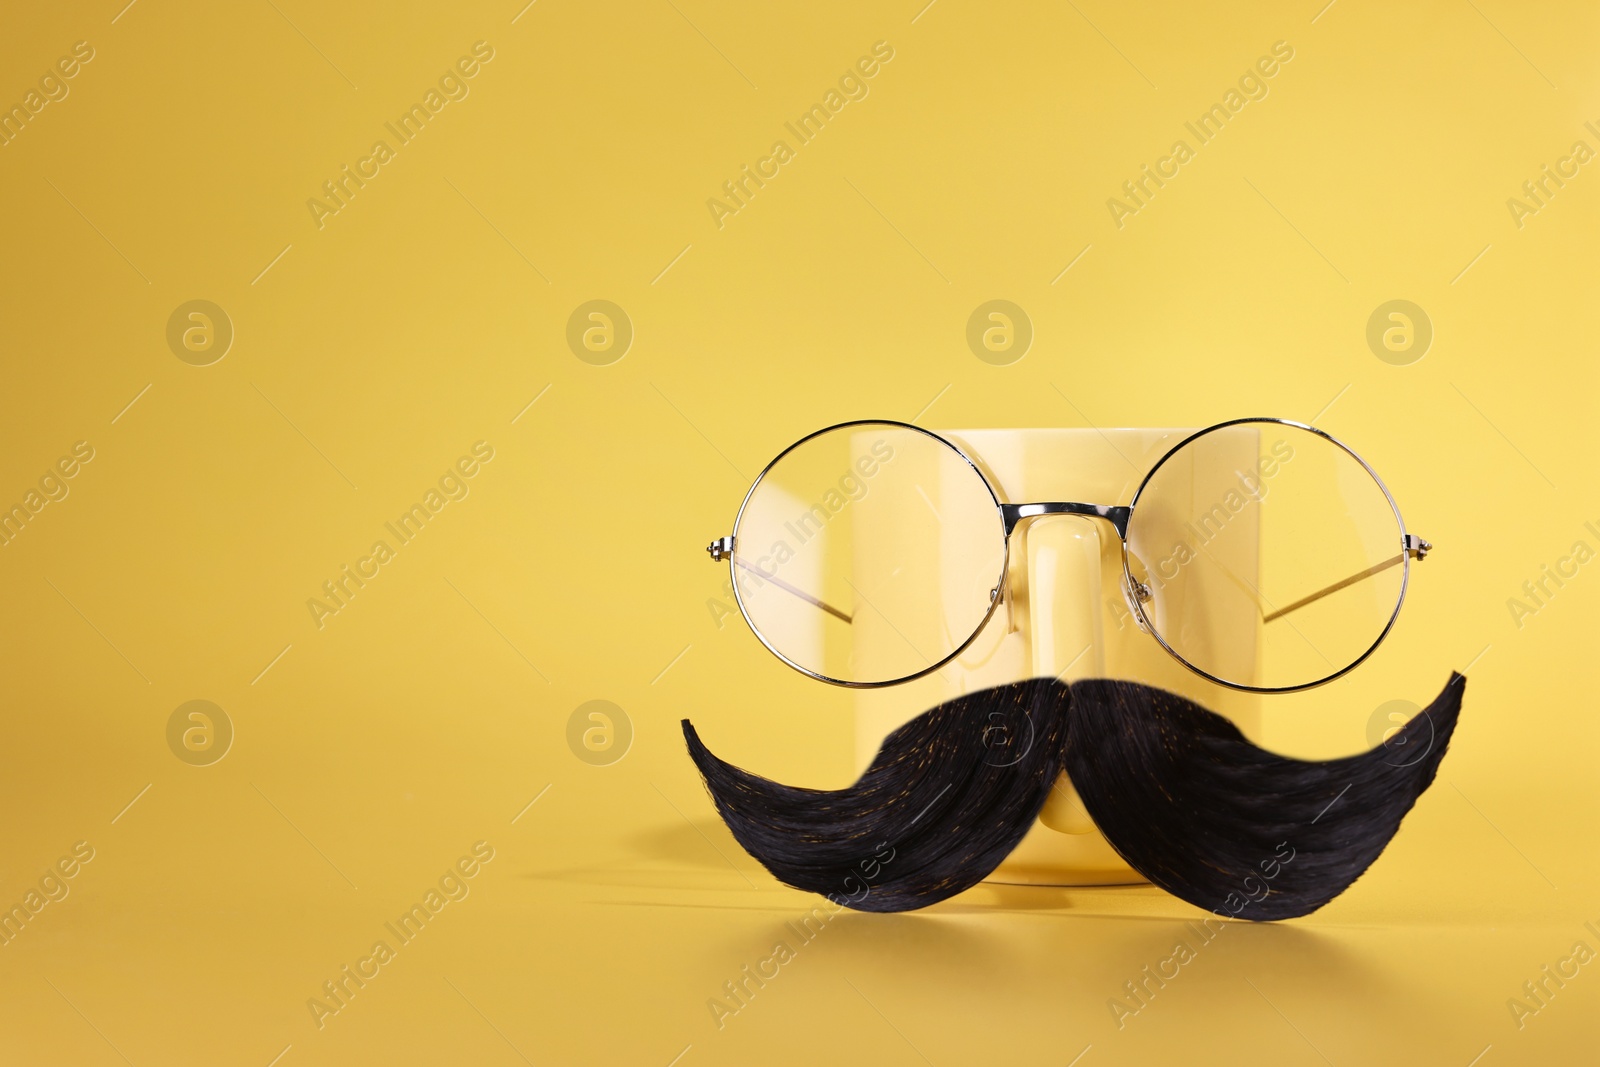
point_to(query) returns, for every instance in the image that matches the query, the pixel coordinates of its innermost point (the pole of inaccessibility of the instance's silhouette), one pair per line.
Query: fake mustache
(1177, 790)
(948, 796)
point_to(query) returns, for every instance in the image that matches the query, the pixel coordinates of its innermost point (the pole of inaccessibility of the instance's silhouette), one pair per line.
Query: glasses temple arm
(786, 587)
(1414, 546)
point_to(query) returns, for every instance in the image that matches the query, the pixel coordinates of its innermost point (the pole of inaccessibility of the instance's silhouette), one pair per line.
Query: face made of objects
(1227, 535)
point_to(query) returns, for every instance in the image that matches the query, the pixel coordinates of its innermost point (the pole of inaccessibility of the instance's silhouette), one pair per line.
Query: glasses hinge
(1136, 593)
(1416, 547)
(721, 548)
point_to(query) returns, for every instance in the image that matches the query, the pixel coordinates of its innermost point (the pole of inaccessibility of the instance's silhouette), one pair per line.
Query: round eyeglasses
(1263, 554)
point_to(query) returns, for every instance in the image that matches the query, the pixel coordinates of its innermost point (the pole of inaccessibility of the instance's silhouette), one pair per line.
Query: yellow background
(428, 313)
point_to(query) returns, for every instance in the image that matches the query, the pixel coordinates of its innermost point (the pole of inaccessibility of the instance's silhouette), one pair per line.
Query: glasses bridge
(1115, 514)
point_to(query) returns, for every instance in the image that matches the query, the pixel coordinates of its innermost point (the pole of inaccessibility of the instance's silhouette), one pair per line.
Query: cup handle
(1063, 553)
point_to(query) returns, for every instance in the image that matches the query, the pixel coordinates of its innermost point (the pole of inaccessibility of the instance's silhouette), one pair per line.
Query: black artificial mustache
(948, 796)
(1177, 790)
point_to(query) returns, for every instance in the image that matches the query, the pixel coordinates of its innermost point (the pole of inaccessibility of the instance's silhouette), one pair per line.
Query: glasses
(1263, 554)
